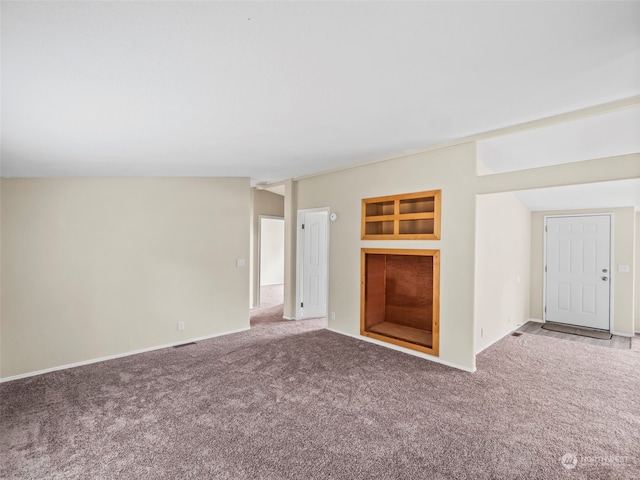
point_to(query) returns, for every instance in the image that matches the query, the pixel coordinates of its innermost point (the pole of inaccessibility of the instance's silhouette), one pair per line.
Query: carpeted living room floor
(291, 400)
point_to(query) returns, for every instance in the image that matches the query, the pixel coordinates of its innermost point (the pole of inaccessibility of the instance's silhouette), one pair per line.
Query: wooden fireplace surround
(400, 297)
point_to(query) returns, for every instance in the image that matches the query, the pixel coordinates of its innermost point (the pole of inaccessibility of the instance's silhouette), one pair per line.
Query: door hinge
(545, 269)
(301, 304)
(545, 309)
(303, 226)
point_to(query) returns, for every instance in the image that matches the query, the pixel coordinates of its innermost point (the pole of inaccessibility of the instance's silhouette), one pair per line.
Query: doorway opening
(271, 261)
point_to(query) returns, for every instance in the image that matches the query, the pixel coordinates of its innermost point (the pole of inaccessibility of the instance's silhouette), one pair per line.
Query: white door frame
(300, 257)
(611, 263)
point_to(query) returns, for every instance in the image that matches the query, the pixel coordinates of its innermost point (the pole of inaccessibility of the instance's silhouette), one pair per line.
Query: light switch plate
(623, 268)
(240, 262)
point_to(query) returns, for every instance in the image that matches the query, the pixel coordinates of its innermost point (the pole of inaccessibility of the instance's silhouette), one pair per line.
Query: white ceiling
(275, 90)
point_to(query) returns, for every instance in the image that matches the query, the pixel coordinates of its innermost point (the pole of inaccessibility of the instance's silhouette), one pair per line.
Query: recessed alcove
(409, 216)
(400, 297)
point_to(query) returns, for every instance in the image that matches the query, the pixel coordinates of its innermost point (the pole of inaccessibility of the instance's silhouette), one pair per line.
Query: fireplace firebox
(400, 296)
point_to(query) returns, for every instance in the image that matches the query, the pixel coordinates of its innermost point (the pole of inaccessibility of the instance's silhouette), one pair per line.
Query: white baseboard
(499, 338)
(289, 318)
(537, 320)
(119, 355)
(404, 350)
(623, 334)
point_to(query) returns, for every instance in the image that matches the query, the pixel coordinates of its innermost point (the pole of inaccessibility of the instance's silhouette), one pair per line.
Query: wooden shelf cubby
(410, 216)
(400, 297)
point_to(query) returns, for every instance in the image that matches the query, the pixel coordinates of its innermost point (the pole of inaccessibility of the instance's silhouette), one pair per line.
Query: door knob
(604, 270)
(605, 278)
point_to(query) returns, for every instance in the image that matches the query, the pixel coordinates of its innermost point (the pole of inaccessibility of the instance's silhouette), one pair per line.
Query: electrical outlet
(180, 326)
(333, 315)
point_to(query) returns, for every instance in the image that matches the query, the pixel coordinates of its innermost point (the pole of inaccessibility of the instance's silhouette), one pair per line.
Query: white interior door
(578, 270)
(313, 302)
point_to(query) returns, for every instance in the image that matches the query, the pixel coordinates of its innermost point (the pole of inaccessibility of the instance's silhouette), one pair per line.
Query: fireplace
(400, 297)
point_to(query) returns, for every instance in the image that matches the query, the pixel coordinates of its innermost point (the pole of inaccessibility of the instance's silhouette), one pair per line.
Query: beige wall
(450, 169)
(290, 226)
(1, 180)
(503, 235)
(100, 267)
(636, 283)
(623, 253)
(263, 203)
(599, 170)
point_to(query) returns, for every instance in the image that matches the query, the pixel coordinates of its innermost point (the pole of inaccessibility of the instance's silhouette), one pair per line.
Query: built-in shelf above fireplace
(400, 296)
(409, 216)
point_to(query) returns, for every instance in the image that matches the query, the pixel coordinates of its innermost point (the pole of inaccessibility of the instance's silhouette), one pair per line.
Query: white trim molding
(620, 334)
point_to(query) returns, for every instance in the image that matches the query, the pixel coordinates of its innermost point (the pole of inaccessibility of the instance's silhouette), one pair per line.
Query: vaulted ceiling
(274, 90)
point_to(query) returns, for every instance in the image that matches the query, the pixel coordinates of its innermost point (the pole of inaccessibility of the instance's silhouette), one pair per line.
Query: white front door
(578, 270)
(313, 301)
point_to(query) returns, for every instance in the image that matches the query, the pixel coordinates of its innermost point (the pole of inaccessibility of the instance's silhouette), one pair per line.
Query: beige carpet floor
(290, 400)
